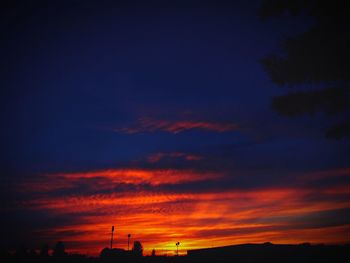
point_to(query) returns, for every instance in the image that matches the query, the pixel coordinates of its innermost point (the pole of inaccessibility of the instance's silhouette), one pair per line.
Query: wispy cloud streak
(153, 125)
(154, 158)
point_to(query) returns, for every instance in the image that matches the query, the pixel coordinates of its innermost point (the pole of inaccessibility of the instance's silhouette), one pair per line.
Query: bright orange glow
(144, 202)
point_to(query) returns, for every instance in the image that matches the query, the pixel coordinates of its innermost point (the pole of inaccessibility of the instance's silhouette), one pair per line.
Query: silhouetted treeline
(248, 253)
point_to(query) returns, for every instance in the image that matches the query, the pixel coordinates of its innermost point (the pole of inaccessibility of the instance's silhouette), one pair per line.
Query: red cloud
(327, 174)
(154, 158)
(113, 177)
(151, 125)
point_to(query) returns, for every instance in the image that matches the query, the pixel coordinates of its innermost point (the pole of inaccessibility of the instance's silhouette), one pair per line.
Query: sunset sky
(156, 118)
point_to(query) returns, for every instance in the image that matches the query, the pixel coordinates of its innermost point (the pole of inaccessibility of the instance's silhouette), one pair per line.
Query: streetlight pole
(177, 248)
(129, 242)
(112, 237)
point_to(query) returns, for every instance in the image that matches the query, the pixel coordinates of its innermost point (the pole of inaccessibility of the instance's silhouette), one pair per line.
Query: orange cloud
(152, 125)
(159, 218)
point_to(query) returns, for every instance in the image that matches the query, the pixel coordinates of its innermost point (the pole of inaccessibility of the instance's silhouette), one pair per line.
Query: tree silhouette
(318, 59)
(153, 253)
(59, 250)
(32, 253)
(21, 252)
(137, 248)
(44, 250)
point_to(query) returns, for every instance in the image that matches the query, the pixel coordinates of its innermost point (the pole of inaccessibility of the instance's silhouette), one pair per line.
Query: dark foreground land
(247, 253)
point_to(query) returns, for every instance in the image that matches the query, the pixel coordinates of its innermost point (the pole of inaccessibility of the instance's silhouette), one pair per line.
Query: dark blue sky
(76, 75)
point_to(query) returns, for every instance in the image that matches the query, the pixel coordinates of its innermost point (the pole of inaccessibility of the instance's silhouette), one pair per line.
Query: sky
(156, 118)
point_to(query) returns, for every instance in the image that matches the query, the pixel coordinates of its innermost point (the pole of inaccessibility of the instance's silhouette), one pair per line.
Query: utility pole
(129, 242)
(112, 237)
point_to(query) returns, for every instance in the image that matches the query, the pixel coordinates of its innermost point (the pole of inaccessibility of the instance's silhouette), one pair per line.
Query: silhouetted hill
(271, 253)
(246, 253)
